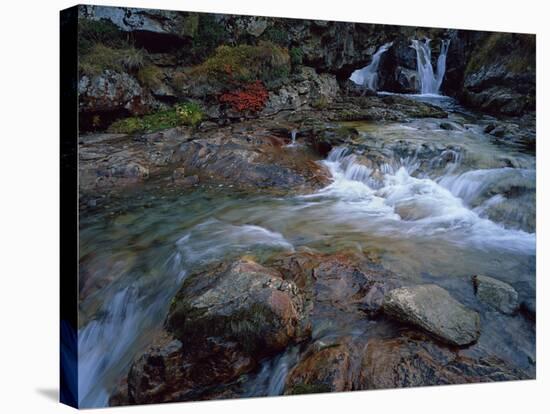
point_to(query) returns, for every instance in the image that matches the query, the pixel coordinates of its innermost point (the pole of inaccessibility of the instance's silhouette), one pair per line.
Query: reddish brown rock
(413, 360)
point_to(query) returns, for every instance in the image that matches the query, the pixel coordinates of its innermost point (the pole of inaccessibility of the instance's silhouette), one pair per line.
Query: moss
(296, 56)
(309, 389)
(190, 114)
(246, 63)
(101, 57)
(150, 76)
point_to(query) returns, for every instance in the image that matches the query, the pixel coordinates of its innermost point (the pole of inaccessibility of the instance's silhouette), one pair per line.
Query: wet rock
(449, 126)
(412, 360)
(254, 159)
(324, 369)
(341, 283)
(348, 287)
(407, 79)
(495, 293)
(529, 308)
(168, 372)
(434, 310)
(243, 302)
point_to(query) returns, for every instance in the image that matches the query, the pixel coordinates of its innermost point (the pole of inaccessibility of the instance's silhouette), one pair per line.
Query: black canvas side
(69, 207)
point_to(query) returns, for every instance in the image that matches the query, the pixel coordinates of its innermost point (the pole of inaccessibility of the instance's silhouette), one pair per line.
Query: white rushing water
(107, 344)
(433, 201)
(390, 200)
(430, 80)
(368, 76)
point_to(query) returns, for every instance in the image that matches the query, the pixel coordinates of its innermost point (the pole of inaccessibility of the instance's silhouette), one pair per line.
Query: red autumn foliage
(252, 97)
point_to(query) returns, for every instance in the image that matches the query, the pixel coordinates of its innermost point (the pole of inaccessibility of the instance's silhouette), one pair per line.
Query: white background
(29, 217)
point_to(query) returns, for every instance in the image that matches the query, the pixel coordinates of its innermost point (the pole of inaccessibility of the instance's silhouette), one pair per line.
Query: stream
(436, 204)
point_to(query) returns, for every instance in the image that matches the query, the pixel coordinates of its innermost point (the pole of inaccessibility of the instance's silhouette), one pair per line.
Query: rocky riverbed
(300, 233)
(232, 262)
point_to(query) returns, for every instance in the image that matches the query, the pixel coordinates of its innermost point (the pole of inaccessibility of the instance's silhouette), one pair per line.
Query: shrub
(208, 36)
(91, 32)
(150, 76)
(189, 114)
(102, 57)
(296, 56)
(182, 114)
(276, 35)
(245, 63)
(251, 98)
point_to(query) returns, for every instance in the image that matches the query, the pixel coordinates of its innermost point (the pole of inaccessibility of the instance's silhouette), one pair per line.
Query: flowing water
(430, 80)
(368, 76)
(437, 205)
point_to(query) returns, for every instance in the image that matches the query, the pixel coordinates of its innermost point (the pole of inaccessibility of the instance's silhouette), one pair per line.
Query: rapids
(436, 204)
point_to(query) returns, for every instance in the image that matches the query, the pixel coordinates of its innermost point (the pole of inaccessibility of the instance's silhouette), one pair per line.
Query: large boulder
(112, 91)
(242, 302)
(434, 310)
(412, 360)
(305, 89)
(496, 293)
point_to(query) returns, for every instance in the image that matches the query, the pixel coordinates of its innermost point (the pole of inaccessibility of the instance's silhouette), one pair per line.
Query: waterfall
(368, 76)
(430, 82)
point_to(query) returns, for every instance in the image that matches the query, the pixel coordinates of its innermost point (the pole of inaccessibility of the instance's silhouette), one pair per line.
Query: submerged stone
(495, 293)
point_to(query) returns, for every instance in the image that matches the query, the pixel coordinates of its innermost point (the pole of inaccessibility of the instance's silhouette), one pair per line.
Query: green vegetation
(101, 57)
(519, 50)
(183, 114)
(92, 32)
(150, 76)
(102, 46)
(296, 56)
(277, 35)
(208, 35)
(190, 114)
(246, 63)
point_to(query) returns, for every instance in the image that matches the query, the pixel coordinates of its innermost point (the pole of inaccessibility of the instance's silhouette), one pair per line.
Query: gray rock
(130, 19)
(241, 301)
(433, 309)
(497, 294)
(112, 91)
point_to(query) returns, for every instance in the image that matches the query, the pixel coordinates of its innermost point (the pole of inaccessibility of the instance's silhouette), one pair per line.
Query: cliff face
(500, 73)
(148, 60)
